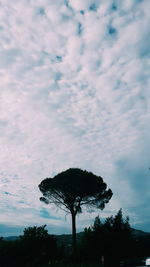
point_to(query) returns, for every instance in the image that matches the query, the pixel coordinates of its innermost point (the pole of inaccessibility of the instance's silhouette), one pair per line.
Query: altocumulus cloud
(74, 93)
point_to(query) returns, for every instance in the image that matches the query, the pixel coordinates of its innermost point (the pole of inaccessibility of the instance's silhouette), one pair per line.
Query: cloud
(74, 93)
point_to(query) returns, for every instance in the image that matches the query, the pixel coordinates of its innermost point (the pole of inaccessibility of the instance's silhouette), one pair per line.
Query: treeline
(34, 248)
(107, 242)
(114, 241)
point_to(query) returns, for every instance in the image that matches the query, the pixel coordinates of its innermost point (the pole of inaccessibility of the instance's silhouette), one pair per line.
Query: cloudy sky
(74, 92)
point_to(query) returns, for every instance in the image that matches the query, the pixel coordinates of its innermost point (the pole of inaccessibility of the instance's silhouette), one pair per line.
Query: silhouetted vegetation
(34, 248)
(112, 240)
(73, 188)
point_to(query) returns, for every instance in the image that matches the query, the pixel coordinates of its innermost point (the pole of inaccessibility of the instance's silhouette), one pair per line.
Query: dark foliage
(72, 189)
(113, 239)
(110, 240)
(35, 248)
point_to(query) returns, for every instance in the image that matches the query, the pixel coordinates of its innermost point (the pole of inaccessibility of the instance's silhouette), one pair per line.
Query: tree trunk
(74, 243)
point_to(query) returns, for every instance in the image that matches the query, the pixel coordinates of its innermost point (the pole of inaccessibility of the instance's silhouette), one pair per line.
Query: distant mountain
(11, 238)
(66, 239)
(139, 233)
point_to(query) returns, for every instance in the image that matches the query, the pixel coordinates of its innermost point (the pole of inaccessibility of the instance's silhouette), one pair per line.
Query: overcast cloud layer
(74, 92)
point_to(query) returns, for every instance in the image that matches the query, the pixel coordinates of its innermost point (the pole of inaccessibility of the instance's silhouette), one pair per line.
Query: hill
(66, 239)
(140, 233)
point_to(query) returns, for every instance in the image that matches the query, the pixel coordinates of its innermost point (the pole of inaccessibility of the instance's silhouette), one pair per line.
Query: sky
(74, 92)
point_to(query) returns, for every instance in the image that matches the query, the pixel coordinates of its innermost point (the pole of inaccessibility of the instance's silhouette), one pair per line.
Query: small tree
(39, 246)
(35, 233)
(116, 236)
(111, 238)
(73, 188)
(97, 224)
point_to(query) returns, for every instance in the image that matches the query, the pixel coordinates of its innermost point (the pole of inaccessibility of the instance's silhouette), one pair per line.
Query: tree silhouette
(111, 238)
(73, 188)
(35, 233)
(39, 246)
